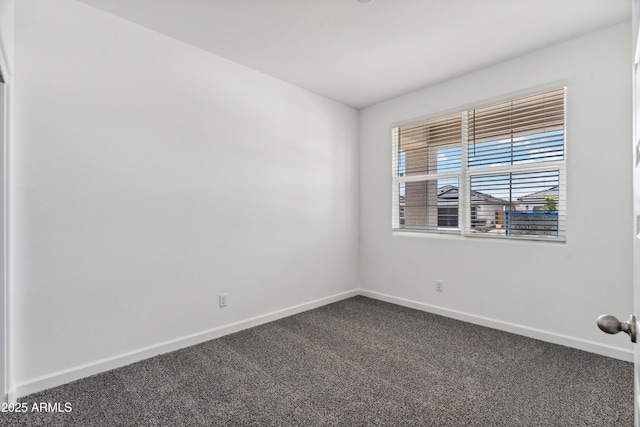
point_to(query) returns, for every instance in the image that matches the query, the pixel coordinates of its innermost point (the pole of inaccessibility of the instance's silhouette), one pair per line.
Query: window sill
(457, 234)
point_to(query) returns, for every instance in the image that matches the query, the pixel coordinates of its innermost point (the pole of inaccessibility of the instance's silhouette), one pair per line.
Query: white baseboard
(542, 335)
(65, 376)
(82, 371)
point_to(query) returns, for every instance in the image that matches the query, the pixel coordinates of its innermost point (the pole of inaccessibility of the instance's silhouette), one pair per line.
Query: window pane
(431, 146)
(448, 159)
(524, 130)
(428, 205)
(516, 204)
(520, 117)
(541, 147)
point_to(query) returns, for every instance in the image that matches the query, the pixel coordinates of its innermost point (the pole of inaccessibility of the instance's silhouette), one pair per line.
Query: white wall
(546, 290)
(151, 176)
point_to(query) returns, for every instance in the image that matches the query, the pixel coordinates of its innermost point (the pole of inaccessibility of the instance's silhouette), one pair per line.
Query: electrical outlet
(222, 300)
(439, 286)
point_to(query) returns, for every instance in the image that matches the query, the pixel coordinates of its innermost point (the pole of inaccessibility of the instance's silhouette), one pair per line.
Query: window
(495, 170)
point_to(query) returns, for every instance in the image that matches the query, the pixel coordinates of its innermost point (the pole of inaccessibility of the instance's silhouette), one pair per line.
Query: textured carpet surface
(354, 363)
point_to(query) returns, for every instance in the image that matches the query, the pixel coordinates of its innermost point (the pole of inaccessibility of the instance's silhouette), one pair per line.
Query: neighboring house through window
(495, 170)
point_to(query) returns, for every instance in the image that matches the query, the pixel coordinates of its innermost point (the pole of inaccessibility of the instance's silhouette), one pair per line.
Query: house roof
(450, 192)
(539, 196)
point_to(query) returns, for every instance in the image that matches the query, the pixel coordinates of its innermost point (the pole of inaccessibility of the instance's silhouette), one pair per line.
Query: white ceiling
(362, 53)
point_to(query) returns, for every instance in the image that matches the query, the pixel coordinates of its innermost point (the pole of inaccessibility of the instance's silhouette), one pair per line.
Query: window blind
(516, 167)
(427, 161)
(496, 170)
(524, 130)
(429, 147)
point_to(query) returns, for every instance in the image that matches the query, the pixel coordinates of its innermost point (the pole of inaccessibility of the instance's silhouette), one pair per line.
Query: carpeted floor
(357, 362)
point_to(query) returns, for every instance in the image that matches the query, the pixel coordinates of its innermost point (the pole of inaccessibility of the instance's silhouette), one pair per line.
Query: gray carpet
(357, 362)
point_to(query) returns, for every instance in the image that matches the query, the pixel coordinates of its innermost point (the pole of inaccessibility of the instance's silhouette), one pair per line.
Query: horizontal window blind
(427, 205)
(431, 146)
(519, 117)
(520, 204)
(427, 160)
(495, 170)
(524, 130)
